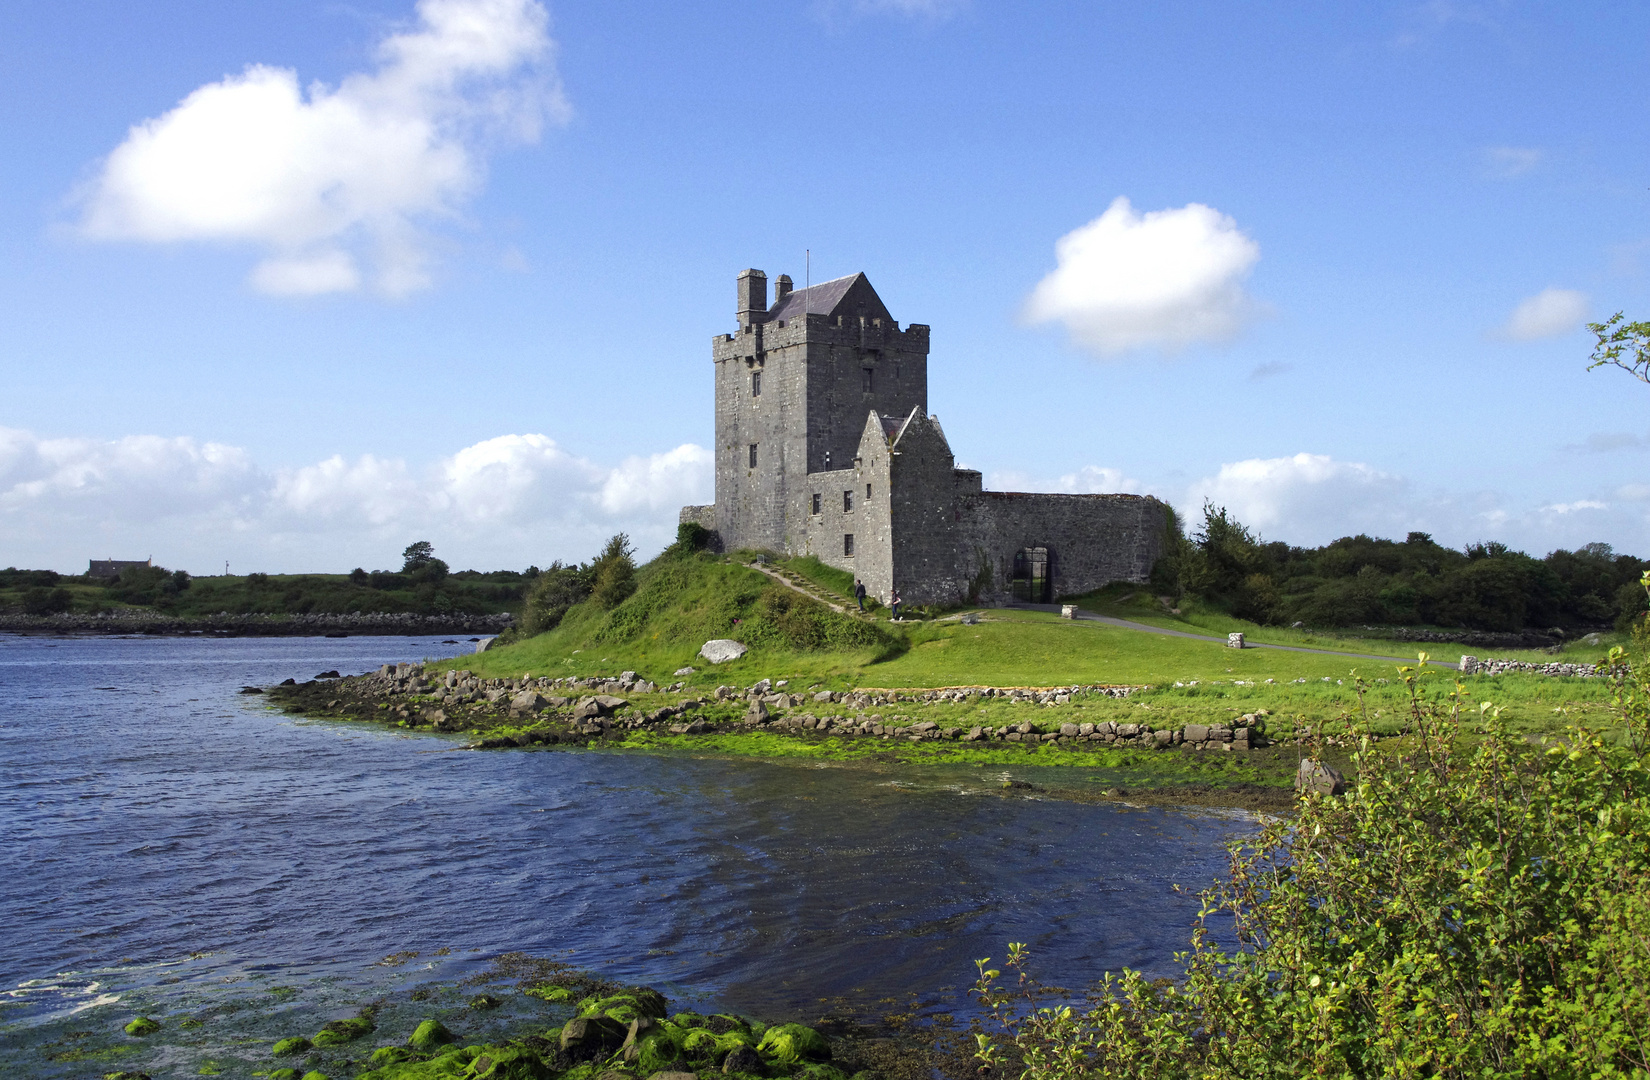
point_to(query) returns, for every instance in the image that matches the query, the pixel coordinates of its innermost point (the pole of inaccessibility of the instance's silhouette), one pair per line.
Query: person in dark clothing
(859, 593)
(894, 602)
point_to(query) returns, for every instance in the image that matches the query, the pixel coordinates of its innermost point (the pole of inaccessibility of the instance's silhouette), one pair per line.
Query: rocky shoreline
(223, 624)
(581, 711)
(1238, 764)
(586, 1028)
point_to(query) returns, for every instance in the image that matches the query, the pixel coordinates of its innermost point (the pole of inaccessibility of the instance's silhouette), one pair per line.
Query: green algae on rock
(620, 1036)
(141, 1026)
(295, 1044)
(429, 1035)
(338, 1032)
(794, 1044)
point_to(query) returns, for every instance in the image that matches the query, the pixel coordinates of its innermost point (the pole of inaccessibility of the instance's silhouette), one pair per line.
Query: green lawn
(1135, 604)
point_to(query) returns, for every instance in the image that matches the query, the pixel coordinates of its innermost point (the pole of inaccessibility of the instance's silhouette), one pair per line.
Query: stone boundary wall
(1483, 639)
(133, 621)
(1093, 540)
(1471, 665)
(704, 516)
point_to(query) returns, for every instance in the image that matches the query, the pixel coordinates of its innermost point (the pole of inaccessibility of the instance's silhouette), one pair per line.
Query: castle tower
(794, 386)
(824, 447)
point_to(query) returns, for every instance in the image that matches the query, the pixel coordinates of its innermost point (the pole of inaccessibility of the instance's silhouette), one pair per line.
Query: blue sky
(292, 284)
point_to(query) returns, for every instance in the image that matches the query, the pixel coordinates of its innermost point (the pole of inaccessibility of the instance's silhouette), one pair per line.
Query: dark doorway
(1033, 581)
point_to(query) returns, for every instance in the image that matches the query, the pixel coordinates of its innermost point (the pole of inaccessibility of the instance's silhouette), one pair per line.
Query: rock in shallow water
(430, 1034)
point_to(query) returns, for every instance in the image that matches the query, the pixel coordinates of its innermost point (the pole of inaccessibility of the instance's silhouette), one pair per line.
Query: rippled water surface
(151, 814)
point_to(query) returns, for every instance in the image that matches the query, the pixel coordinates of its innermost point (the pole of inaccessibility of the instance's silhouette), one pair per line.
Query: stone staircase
(798, 583)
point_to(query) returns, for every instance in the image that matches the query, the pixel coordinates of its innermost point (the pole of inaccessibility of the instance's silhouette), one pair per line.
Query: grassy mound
(683, 600)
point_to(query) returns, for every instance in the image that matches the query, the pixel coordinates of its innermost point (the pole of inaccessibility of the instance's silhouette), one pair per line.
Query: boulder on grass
(721, 650)
(1317, 777)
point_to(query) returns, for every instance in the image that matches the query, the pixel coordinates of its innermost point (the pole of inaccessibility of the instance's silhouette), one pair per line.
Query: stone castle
(824, 447)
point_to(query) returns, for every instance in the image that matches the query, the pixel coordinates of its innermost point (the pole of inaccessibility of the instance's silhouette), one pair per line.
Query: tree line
(1364, 580)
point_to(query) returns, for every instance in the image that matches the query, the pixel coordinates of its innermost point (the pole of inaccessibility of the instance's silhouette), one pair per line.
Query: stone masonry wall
(839, 354)
(812, 405)
(928, 549)
(1092, 540)
(751, 501)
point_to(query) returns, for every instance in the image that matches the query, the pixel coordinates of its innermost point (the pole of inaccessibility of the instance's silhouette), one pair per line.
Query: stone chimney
(753, 297)
(781, 288)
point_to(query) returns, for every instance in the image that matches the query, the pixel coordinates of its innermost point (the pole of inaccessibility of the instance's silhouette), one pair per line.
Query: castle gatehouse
(824, 447)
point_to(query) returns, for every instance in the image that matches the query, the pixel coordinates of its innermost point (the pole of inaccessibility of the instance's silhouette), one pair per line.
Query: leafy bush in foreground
(1480, 907)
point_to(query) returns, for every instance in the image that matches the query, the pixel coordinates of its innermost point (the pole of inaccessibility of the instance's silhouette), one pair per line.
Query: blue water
(167, 839)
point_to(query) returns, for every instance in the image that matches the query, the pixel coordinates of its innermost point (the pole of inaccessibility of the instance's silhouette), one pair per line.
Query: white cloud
(1605, 442)
(1162, 280)
(1311, 499)
(839, 11)
(324, 179)
(1507, 162)
(1088, 480)
(139, 477)
(1270, 369)
(925, 8)
(1548, 313)
(506, 501)
(1307, 497)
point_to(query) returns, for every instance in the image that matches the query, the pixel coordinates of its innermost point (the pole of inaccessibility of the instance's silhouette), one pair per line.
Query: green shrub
(1476, 908)
(43, 601)
(553, 592)
(692, 536)
(787, 619)
(614, 573)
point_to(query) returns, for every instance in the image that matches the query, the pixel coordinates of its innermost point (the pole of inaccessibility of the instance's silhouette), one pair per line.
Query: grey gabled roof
(851, 295)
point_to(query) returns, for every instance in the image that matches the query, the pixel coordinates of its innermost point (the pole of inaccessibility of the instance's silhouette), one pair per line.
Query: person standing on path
(859, 593)
(894, 602)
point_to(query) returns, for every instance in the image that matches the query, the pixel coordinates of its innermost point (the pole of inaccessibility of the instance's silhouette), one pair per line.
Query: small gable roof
(851, 296)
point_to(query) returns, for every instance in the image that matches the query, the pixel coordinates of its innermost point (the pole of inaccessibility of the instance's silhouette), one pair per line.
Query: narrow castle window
(819, 502)
(866, 378)
(848, 545)
(867, 491)
(756, 384)
(753, 455)
(827, 460)
(847, 502)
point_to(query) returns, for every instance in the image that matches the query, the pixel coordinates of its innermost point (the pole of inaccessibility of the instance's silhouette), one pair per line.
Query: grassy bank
(683, 601)
(1311, 703)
